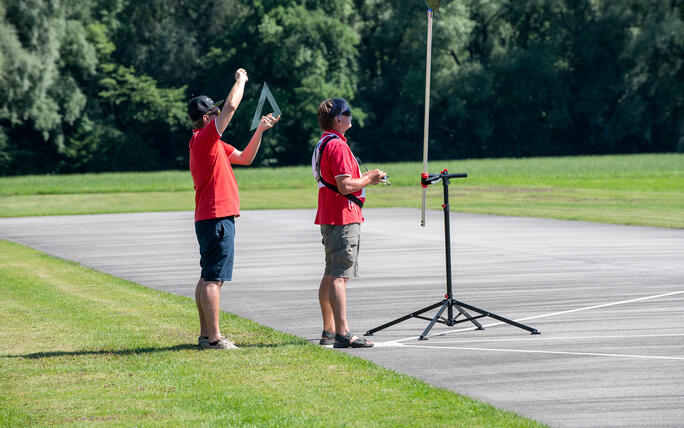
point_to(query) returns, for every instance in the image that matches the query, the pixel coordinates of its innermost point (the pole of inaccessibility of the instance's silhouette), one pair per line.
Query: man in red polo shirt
(340, 197)
(217, 202)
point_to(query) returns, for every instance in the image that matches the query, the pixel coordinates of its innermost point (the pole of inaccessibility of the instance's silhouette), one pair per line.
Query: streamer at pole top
(432, 4)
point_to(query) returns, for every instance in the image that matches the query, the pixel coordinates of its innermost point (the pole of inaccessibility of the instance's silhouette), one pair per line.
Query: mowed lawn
(80, 347)
(643, 190)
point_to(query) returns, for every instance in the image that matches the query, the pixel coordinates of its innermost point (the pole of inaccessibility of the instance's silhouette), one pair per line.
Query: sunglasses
(215, 112)
(340, 108)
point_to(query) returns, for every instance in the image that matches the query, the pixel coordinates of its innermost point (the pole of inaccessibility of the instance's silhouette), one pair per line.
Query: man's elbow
(243, 160)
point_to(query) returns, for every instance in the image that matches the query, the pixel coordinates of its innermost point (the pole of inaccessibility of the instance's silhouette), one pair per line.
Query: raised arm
(232, 101)
(246, 156)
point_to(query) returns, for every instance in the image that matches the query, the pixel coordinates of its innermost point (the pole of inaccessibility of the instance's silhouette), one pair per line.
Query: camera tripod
(449, 304)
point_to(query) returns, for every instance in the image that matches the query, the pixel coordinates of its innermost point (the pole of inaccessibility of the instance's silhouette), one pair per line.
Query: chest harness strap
(332, 187)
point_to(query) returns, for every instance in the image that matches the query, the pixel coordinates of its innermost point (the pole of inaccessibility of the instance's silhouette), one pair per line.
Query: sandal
(327, 338)
(347, 342)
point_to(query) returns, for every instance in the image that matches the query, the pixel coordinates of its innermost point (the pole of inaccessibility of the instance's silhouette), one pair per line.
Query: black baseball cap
(199, 106)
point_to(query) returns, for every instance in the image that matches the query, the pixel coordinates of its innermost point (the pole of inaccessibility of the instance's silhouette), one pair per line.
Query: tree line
(103, 85)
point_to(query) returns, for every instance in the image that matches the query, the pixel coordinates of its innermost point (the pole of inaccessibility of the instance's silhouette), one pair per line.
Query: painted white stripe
(561, 338)
(527, 351)
(604, 305)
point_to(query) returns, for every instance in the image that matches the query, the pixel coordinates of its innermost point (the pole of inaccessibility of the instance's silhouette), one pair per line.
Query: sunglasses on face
(215, 112)
(340, 108)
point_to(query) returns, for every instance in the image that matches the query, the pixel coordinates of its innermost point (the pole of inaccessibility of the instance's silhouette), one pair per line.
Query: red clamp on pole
(424, 177)
(445, 171)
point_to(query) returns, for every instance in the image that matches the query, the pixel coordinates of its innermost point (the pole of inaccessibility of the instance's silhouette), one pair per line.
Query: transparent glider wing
(265, 94)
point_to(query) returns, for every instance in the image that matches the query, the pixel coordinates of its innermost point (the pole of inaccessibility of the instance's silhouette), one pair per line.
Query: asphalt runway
(608, 299)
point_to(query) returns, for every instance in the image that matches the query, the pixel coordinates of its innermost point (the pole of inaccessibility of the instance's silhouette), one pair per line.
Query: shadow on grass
(135, 351)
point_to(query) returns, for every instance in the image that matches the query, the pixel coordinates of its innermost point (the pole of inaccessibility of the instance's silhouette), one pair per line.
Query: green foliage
(532, 78)
(313, 52)
(100, 86)
(45, 57)
(55, 55)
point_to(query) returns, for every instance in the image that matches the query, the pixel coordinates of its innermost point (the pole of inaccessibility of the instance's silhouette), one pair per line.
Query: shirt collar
(332, 131)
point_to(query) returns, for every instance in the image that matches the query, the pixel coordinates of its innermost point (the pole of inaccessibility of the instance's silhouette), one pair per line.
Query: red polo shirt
(216, 191)
(337, 160)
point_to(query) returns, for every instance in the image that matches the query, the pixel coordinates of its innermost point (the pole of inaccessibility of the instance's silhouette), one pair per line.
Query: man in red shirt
(340, 197)
(217, 202)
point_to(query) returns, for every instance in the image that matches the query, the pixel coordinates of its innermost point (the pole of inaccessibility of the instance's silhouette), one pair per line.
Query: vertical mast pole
(426, 124)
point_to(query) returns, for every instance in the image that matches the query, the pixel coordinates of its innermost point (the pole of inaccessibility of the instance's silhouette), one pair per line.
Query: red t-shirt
(338, 160)
(216, 191)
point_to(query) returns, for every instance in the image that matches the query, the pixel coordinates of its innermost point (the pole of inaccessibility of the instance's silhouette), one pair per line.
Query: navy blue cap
(339, 105)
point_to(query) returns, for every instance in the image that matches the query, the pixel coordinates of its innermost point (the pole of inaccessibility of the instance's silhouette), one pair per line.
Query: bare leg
(204, 331)
(324, 300)
(210, 299)
(338, 302)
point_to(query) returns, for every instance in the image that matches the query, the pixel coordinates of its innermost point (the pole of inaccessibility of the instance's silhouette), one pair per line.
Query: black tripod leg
(498, 317)
(434, 320)
(467, 315)
(404, 318)
(449, 302)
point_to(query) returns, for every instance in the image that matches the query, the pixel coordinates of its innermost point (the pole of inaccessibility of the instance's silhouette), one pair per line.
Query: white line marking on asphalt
(604, 305)
(542, 338)
(528, 351)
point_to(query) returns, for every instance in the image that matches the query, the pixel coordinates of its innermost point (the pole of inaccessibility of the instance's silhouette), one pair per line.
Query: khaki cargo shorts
(341, 249)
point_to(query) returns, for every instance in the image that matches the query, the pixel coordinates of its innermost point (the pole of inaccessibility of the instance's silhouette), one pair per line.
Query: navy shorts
(216, 239)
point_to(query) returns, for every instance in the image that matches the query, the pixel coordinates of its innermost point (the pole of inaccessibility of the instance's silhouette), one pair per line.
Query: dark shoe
(327, 338)
(347, 342)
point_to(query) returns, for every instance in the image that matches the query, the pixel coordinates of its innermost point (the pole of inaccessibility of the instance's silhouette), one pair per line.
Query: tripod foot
(536, 332)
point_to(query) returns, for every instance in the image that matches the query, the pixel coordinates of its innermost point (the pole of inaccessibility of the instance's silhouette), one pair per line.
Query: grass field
(626, 189)
(79, 347)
